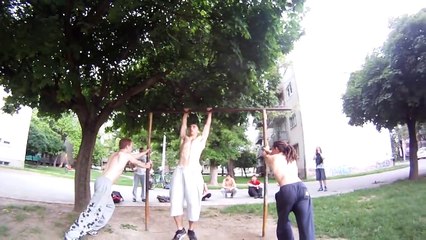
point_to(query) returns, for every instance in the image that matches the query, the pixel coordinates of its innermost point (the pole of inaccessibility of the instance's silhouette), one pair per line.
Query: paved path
(23, 185)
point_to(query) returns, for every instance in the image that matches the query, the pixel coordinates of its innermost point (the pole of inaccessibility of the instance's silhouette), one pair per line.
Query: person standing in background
(319, 170)
(139, 174)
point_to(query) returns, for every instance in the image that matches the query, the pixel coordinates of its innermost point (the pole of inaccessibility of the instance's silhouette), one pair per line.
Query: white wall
(13, 135)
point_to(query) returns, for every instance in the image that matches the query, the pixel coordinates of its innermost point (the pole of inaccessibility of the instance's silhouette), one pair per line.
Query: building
(13, 135)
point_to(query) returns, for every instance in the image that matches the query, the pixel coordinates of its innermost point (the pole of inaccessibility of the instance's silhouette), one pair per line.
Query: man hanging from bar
(187, 180)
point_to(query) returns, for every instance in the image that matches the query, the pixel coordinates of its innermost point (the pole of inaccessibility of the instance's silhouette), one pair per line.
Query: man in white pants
(187, 181)
(101, 207)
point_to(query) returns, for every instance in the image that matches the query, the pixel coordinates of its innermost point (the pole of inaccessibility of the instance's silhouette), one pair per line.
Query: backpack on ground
(116, 197)
(163, 199)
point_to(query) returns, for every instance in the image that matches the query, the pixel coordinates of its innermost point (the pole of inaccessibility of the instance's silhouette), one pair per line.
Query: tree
(246, 160)
(223, 145)
(42, 139)
(390, 89)
(120, 59)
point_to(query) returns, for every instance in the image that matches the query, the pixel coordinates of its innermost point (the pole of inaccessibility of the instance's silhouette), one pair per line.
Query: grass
(4, 231)
(395, 211)
(124, 180)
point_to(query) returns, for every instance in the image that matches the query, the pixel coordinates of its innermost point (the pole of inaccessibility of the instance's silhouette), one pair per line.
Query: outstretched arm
(184, 124)
(138, 163)
(140, 154)
(206, 129)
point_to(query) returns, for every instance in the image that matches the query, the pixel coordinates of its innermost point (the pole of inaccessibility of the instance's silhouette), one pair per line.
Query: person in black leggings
(293, 195)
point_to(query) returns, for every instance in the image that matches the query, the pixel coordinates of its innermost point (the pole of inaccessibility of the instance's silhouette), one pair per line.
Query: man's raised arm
(184, 123)
(206, 129)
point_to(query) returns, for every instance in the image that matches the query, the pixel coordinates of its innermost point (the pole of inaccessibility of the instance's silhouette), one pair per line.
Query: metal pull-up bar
(224, 110)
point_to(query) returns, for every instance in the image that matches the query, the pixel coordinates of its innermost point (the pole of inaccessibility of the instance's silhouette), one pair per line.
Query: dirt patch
(31, 220)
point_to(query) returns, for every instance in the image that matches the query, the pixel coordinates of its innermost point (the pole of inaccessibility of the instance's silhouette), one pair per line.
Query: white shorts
(186, 185)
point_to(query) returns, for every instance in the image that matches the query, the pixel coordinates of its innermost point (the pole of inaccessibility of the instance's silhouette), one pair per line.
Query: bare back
(285, 173)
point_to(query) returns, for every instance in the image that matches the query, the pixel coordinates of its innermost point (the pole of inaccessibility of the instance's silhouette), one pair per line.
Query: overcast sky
(339, 34)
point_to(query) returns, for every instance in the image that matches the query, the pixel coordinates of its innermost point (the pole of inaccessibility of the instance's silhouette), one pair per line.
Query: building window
(293, 121)
(289, 90)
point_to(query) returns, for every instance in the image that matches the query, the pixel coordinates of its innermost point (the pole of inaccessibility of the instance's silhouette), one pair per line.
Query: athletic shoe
(134, 199)
(180, 234)
(325, 189)
(191, 235)
(320, 189)
(144, 200)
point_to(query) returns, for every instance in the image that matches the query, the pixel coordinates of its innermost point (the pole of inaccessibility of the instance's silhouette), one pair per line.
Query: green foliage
(246, 160)
(224, 143)
(390, 89)
(122, 59)
(42, 139)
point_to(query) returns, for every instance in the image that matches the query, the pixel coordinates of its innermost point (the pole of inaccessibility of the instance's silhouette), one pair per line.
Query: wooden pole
(265, 186)
(148, 158)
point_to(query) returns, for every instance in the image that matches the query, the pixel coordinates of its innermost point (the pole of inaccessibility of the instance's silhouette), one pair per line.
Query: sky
(339, 34)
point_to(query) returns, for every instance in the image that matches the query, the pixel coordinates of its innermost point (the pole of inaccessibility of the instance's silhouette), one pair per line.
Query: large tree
(100, 58)
(390, 89)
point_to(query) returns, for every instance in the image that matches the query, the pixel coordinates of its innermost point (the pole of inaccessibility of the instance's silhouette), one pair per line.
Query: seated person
(206, 193)
(254, 187)
(229, 186)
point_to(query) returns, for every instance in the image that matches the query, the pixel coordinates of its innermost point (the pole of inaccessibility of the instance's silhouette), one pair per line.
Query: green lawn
(61, 172)
(396, 211)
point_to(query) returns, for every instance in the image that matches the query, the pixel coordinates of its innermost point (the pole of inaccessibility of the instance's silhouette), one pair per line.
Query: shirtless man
(229, 186)
(101, 206)
(187, 181)
(293, 195)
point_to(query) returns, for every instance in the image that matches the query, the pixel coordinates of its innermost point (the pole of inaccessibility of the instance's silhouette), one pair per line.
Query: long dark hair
(288, 150)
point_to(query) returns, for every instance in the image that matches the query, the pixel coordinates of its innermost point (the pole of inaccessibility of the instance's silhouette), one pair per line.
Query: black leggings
(295, 198)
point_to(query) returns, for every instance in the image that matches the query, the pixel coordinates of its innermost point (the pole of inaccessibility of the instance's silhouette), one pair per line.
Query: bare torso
(228, 183)
(190, 151)
(116, 163)
(285, 173)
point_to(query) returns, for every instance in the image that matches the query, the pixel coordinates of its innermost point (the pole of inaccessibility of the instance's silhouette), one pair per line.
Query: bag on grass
(116, 197)
(163, 199)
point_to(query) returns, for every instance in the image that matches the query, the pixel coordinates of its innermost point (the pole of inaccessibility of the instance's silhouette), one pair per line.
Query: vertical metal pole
(265, 186)
(163, 159)
(148, 158)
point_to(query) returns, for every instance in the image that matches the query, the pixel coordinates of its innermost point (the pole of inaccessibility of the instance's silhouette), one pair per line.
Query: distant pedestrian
(319, 170)
(139, 176)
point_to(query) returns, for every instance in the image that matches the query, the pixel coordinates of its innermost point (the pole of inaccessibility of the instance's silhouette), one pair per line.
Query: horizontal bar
(226, 110)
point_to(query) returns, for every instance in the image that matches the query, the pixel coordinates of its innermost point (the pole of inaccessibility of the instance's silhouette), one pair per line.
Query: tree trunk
(414, 164)
(230, 168)
(213, 175)
(83, 165)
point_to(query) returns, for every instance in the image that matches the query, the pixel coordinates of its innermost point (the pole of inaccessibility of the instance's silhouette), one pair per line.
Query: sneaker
(134, 199)
(325, 189)
(144, 200)
(191, 235)
(92, 233)
(320, 189)
(180, 234)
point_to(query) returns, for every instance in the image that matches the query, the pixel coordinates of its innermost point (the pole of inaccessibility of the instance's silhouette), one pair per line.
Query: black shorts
(320, 174)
